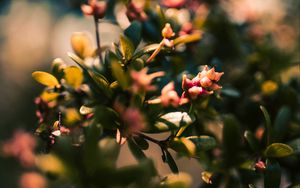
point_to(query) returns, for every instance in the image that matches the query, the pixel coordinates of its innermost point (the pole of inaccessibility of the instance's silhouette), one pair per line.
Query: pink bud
(260, 166)
(167, 31)
(206, 82)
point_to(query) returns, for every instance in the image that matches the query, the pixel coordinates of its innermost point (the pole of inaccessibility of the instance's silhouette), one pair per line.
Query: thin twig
(98, 38)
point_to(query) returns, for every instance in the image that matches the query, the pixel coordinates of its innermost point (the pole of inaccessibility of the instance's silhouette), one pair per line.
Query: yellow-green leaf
(45, 78)
(119, 74)
(73, 76)
(126, 47)
(278, 150)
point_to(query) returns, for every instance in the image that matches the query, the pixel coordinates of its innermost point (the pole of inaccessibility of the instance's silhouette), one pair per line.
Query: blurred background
(33, 33)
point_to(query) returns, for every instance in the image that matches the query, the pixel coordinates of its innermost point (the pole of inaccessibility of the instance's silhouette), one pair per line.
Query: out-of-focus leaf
(295, 144)
(230, 92)
(183, 146)
(119, 74)
(278, 150)
(281, 122)
(180, 180)
(141, 142)
(136, 150)
(252, 140)
(203, 142)
(137, 64)
(106, 116)
(126, 47)
(171, 162)
(134, 32)
(45, 78)
(272, 175)
(187, 38)
(231, 140)
(268, 124)
(81, 44)
(73, 76)
(109, 148)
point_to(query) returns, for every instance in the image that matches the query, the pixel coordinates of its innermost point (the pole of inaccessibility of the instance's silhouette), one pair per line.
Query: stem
(98, 39)
(150, 139)
(161, 44)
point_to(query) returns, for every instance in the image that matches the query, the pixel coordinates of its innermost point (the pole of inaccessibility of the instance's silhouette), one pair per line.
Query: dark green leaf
(272, 175)
(141, 142)
(295, 144)
(134, 32)
(278, 150)
(231, 140)
(136, 150)
(252, 140)
(269, 128)
(281, 122)
(171, 162)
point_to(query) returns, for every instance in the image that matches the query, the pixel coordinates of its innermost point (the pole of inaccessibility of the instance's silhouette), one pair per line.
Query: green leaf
(119, 74)
(252, 140)
(147, 49)
(230, 92)
(109, 149)
(268, 125)
(136, 150)
(272, 175)
(107, 117)
(101, 83)
(183, 146)
(203, 143)
(281, 122)
(278, 150)
(295, 144)
(134, 32)
(45, 78)
(141, 142)
(171, 162)
(231, 140)
(126, 47)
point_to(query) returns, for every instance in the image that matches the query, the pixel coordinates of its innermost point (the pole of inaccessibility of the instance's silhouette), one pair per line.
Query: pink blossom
(132, 120)
(168, 96)
(173, 3)
(135, 11)
(21, 146)
(142, 80)
(203, 84)
(32, 180)
(94, 7)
